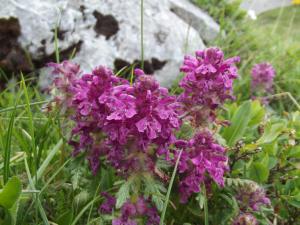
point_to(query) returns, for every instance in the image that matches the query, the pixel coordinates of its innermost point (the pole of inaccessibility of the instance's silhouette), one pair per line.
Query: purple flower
(140, 209)
(65, 77)
(262, 77)
(141, 206)
(126, 119)
(91, 115)
(94, 159)
(245, 219)
(119, 221)
(200, 156)
(128, 210)
(252, 196)
(107, 206)
(207, 82)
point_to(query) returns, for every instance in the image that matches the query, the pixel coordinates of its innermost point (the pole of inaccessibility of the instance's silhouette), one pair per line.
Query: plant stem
(7, 150)
(284, 94)
(56, 44)
(162, 218)
(205, 206)
(22, 106)
(142, 34)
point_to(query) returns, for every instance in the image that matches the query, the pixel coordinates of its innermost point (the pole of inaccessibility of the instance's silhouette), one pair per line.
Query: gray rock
(260, 6)
(197, 19)
(107, 32)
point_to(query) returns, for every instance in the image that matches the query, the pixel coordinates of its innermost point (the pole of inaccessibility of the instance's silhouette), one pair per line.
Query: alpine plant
(133, 128)
(262, 77)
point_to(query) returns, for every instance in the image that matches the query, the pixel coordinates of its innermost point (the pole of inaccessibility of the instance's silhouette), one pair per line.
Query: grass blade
(162, 218)
(7, 150)
(23, 106)
(56, 45)
(36, 198)
(84, 209)
(31, 125)
(205, 206)
(132, 74)
(50, 156)
(142, 34)
(54, 175)
(91, 209)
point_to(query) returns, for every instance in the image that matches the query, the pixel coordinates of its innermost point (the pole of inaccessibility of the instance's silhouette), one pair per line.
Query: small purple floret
(252, 196)
(200, 156)
(262, 77)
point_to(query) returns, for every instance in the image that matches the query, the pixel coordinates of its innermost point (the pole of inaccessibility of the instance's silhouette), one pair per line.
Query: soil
(12, 57)
(150, 66)
(106, 25)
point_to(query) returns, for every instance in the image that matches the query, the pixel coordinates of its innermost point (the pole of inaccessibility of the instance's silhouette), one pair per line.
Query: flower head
(135, 122)
(245, 219)
(65, 77)
(208, 81)
(107, 206)
(140, 208)
(252, 196)
(201, 156)
(262, 77)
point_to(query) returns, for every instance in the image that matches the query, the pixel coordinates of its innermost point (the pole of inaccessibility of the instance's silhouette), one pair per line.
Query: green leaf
(155, 189)
(10, 193)
(81, 198)
(272, 131)
(259, 172)
(13, 213)
(236, 182)
(66, 218)
(271, 148)
(200, 198)
(238, 125)
(294, 203)
(123, 194)
(257, 113)
(7, 150)
(265, 159)
(272, 162)
(84, 209)
(36, 198)
(9, 199)
(294, 152)
(48, 159)
(158, 201)
(77, 173)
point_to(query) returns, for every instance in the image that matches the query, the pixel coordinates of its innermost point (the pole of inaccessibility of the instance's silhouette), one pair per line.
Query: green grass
(284, 22)
(273, 37)
(28, 134)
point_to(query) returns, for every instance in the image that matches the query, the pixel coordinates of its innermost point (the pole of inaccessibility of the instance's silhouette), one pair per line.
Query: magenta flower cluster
(262, 77)
(65, 76)
(120, 121)
(108, 204)
(245, 219)
(131, 126)
(207, 83)
(131, 212)
(251, 196)
(200, 156)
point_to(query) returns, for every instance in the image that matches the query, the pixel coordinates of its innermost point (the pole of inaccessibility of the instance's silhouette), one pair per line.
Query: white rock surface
(167, 34)
(260, 6)
(203, 23)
